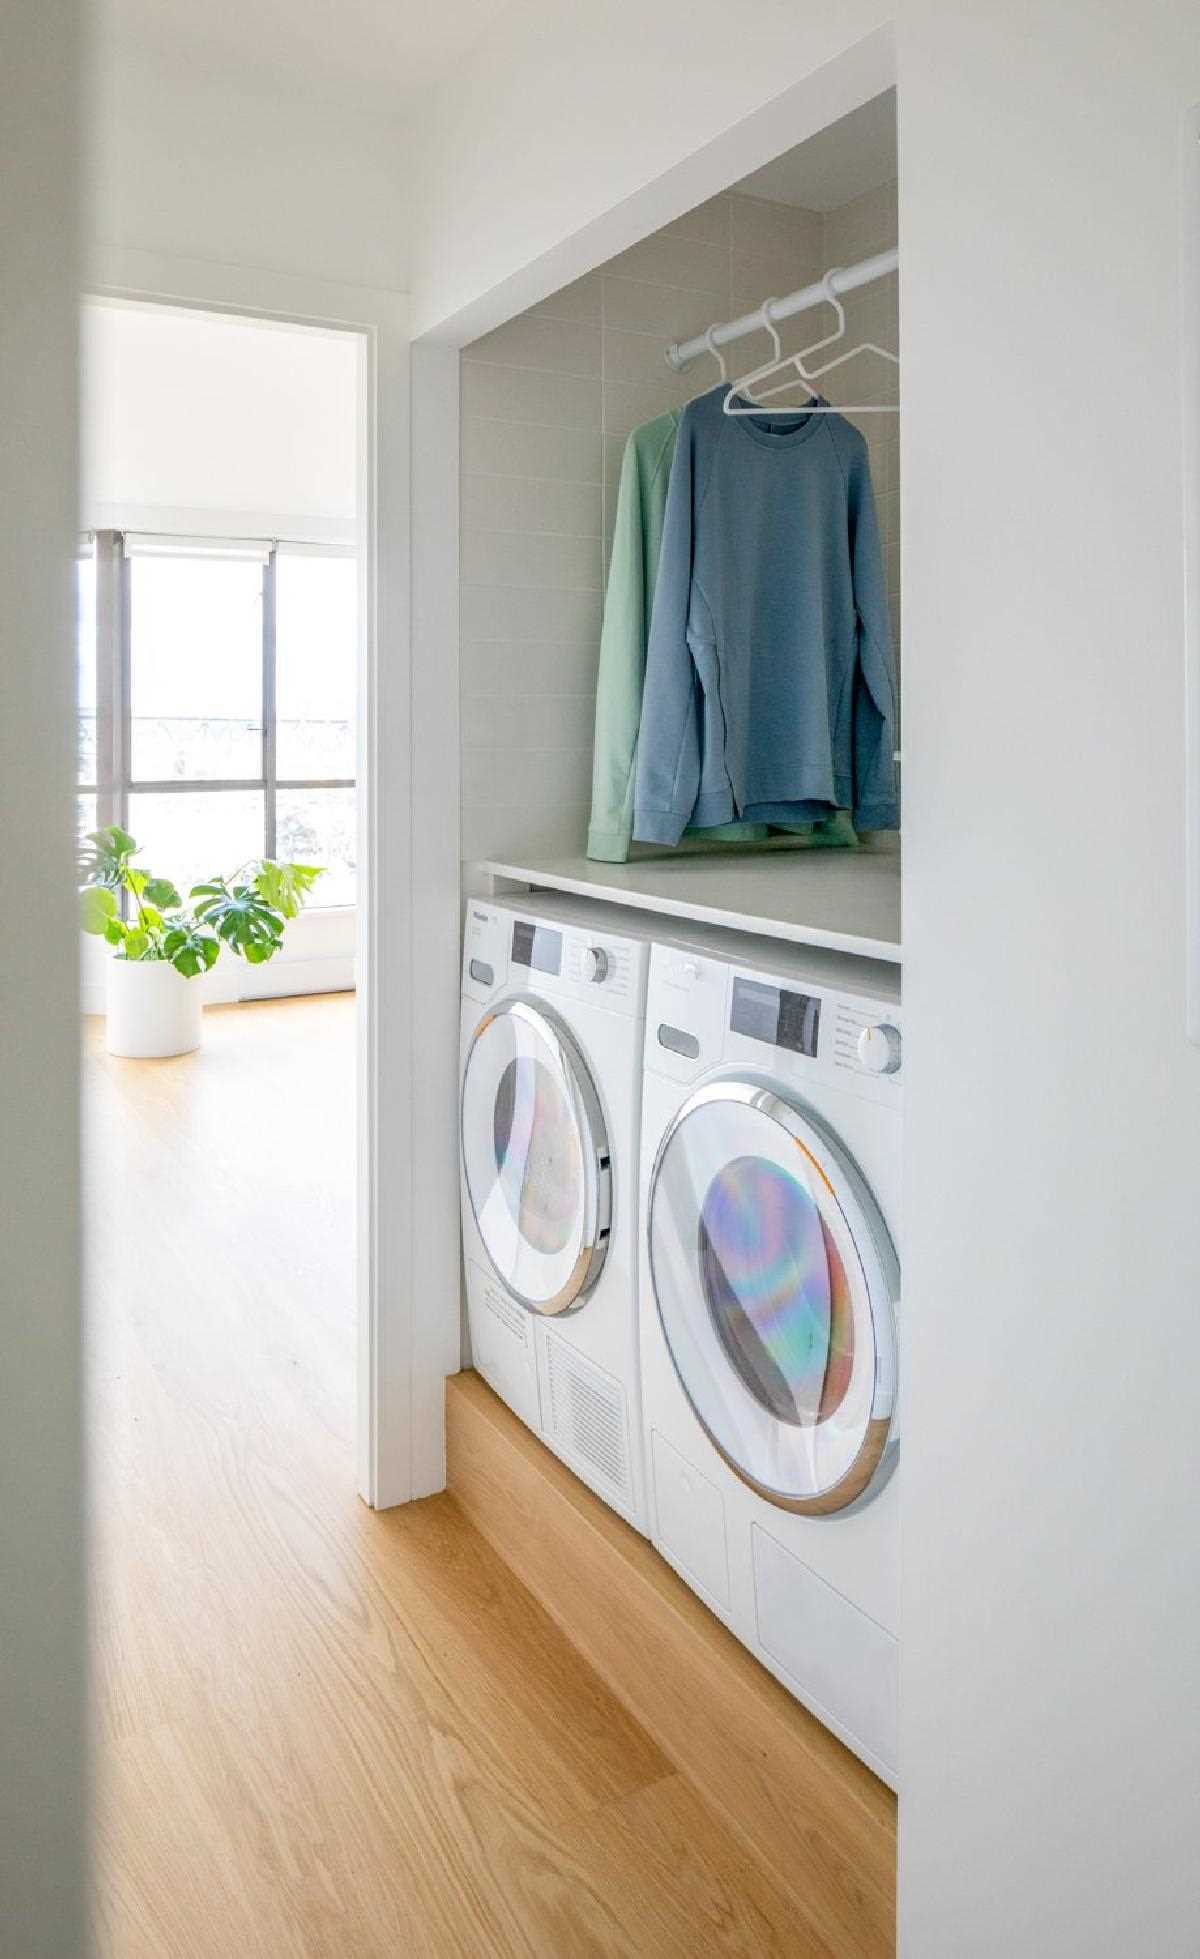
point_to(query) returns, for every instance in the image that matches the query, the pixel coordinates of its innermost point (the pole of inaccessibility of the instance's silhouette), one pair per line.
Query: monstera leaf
(189, 950)
(285, 886)
(104, 857)
(242, 917)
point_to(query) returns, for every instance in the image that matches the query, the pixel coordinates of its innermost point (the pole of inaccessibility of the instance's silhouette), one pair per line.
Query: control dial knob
(879, 1049)
(595, 964)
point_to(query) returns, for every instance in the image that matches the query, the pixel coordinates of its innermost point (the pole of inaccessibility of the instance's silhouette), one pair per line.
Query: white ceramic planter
(152, 1009)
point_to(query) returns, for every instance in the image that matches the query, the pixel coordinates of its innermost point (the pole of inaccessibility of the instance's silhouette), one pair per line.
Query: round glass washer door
(535, 1157)
(776, 1285)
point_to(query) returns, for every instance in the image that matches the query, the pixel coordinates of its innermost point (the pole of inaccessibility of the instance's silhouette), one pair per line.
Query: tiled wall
(856, 231)
(547, 402)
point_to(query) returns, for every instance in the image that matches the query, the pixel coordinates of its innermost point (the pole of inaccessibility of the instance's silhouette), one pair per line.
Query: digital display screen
(768, 1013)
(537, 947)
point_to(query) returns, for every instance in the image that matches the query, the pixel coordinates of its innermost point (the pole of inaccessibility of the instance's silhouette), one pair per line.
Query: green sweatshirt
(637, 541)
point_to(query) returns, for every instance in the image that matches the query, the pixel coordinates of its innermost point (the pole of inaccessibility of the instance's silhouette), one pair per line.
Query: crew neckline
(788, 437)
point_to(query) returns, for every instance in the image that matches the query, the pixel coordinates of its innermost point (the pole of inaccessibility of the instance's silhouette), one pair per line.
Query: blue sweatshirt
(770, 691)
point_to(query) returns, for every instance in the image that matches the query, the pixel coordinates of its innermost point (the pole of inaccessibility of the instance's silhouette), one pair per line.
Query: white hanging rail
(846, 279)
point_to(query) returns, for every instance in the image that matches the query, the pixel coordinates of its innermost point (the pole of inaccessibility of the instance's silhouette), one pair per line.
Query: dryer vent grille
(587, 1414)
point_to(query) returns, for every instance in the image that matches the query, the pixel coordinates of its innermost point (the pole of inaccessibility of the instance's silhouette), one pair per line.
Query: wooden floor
(321, 1731)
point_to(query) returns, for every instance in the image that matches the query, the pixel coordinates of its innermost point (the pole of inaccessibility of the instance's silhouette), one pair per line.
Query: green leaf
(161, 892)
(96, 907)
(106, 859)
(137, 944)
(241, 918)
(136, 881)
(189, 951)
(116, 931)
(151, 917)
(285, 886)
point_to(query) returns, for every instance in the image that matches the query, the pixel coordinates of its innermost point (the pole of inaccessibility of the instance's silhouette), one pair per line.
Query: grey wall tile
(667, 312)
(578, 301)
(708, 221)
(501, 503)
(639, 358)
(530, 449)
(515, 394)
(534, 666)
(755, 276)
(866, 224)
(521, 612)
(535, 830)
(493, 781)
(628, 403)
(568, 564)
(674, 261)
(762, 227)
(552, 346)
(513, 720)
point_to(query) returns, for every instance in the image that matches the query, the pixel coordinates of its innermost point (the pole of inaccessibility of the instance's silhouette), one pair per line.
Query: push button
(678, 1040)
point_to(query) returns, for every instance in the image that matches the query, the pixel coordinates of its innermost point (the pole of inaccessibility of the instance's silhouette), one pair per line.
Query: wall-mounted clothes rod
(846, 279)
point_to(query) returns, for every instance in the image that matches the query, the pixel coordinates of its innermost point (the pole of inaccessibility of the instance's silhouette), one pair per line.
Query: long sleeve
(668, 763)
(619, 679)
(874, 736)
(637, 538)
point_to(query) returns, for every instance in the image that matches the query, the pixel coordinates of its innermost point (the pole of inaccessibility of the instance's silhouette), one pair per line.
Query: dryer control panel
(573, 957)
(702, 1012)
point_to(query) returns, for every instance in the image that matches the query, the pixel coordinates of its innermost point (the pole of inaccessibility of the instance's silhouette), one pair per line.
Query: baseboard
(803, 1805)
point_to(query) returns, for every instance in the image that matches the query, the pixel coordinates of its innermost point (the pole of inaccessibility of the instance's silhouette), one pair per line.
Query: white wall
(564, 113)
(1052, 1233)
(207, 422)
(182, 164)
(1052, 1566)
(42, 1733)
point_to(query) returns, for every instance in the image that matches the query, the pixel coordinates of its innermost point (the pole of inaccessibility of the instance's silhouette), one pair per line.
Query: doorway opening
(221, 578)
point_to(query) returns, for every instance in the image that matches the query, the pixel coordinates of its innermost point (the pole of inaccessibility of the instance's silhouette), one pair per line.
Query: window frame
(115, 781)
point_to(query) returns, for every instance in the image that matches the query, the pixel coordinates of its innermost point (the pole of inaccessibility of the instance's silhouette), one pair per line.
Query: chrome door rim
(842, 1194)
(575, 1081)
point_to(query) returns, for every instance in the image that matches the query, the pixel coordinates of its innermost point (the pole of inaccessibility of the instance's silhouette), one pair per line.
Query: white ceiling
(374, 55)
(852, 156)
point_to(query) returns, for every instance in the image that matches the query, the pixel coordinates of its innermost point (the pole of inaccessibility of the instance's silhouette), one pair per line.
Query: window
(216, 692)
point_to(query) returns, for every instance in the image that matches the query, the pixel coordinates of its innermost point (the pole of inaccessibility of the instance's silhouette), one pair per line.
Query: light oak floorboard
(800, 1804)
(322, 1733)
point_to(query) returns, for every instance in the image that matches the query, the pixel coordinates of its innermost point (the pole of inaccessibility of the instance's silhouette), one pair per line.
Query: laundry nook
(600, 1244)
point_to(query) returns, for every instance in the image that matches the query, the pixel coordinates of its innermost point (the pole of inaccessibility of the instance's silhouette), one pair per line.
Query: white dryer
(553, 1003)
(770, 1285)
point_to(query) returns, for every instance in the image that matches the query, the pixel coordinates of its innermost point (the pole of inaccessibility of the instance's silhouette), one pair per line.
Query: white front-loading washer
(553, 1003)
(770, 1284)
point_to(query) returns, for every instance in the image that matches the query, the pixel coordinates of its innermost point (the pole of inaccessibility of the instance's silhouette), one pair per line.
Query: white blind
(151, 544)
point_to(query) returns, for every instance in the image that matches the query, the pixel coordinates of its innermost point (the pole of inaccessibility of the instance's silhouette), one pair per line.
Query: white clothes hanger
(746, 397)
(715, 351)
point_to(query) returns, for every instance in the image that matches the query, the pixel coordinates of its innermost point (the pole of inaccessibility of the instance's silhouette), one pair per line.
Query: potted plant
(162, 947)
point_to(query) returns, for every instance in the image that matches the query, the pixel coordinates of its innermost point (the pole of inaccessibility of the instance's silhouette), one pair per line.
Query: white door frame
(395, 1455)
(409, 1287)
(1190, 342)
